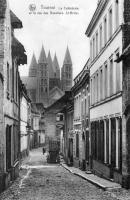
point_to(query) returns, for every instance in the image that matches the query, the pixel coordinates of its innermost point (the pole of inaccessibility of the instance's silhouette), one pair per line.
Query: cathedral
(45, 82)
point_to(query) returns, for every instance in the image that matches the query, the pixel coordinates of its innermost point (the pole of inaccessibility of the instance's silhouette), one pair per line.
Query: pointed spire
(33, 66)
(42, 57)
(56, 66)
(67, 59)
(50, 66)
(33, 61)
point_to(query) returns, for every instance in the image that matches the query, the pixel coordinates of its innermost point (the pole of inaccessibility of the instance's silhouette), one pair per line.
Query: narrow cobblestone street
(38, 181)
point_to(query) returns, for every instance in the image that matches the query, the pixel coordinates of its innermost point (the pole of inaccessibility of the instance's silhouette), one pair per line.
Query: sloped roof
(42, 57)
(67, 59)
(54, 90)
(15, 21)
(60, 103)
(19, 51)
(50, 66)
(29, 82)
(33, 66)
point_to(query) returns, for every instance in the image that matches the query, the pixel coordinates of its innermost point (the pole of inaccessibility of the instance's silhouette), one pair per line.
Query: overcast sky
(55, 32)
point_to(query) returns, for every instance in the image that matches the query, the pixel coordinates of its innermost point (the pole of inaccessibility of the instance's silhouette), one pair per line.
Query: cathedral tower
(56, 67)
(43, 79)
(66, 72)
(50, 66)
(33, 67)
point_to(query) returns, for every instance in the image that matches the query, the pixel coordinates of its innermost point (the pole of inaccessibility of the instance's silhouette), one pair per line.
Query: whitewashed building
(25, 122)
(81, 136)
(108, 33)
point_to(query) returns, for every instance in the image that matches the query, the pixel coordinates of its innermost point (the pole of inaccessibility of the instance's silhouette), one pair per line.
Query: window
(45, 81)
(119, 160)
(94, 90)
(87, 101)
(42, 73)
(93, 48)
(91, 51)
(42, 82)
(77, 145)
(113, 142)
(96, 43)
(87, 146)
(13, 79)
(118, 74)
(107, 141)
(41, 89)
(94, 139)
(101, 141)
(111, 76)
(97, 87)
(16, 85)
(8, 76)
(100, 37)
(101, 84)
(105, 30)
(110, 22)
(116, 13)
(106, 80)
(91, 92)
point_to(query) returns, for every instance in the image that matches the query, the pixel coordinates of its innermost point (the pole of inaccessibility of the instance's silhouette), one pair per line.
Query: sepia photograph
(64, 100)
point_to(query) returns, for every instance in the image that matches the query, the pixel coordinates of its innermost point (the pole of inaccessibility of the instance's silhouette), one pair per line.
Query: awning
(15, 21)
(18, 51)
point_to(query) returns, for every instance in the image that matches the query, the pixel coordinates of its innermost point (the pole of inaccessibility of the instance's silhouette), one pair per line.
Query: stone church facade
(46, 82)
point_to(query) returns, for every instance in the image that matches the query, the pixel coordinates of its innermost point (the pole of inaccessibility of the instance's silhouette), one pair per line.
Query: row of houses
(21, 122)
(95, 130)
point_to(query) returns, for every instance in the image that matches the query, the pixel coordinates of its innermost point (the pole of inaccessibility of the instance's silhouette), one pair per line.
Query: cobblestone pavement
(40, 181)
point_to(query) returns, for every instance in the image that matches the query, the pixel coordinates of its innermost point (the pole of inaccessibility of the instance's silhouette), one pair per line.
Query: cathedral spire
(42, 57)
(56, 67)
(50, 66)
(67, 59)
(33, 66)
(67, 72)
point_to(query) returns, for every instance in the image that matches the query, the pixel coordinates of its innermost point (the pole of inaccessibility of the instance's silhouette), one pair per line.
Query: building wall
(50, 125)
(106, 101)
(9, 115)
(24, 119)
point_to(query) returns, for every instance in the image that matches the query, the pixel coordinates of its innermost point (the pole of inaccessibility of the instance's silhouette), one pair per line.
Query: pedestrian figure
(43, 150)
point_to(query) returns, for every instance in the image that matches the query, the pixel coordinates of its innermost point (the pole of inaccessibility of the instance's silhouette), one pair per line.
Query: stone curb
(90, 180)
